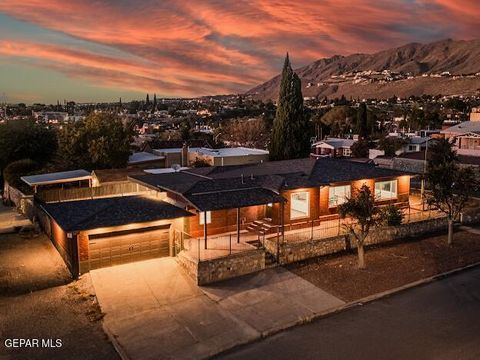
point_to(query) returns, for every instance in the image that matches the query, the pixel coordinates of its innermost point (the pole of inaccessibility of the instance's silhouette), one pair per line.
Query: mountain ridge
(410, 62)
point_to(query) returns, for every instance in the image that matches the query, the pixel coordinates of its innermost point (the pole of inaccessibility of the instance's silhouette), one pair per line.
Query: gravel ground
(69, 313)
(29, 263)
(389, 266)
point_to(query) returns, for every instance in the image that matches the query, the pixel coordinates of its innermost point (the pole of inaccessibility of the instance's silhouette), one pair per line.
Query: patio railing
(216, 246)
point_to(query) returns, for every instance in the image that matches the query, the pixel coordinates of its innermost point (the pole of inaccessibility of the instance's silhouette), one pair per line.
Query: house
(414, 144)
(207, 203)
(475, 114)
(186, 156)
(466, 137)
(145, 159)
(333, 147)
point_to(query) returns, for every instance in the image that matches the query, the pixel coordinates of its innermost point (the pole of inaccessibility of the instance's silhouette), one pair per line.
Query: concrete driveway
(154, 310)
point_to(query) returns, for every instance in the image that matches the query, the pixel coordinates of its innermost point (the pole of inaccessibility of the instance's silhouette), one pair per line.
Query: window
(299, 205)
(385, 190)
(202, 217)
(338, 195)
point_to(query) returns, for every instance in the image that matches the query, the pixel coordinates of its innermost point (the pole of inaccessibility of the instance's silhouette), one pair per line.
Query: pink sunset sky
(100, 50)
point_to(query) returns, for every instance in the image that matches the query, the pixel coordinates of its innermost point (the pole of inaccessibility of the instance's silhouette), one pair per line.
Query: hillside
(412, 69)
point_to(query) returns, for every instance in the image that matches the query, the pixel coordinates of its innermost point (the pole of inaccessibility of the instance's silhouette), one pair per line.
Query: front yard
(390, 266)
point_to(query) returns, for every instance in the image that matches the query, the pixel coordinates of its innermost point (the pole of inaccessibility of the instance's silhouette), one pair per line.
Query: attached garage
(120, 247)
(111, 231)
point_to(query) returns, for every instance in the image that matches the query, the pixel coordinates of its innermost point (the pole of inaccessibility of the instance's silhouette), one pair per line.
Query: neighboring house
(186, 156)
(414, 144)
(414, 162)
(145, 159)
(475, 114)
(333, 147)
(202, 202)
(466, 137)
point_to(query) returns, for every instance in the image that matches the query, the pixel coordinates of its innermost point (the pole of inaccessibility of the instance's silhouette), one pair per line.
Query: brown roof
(115, 175)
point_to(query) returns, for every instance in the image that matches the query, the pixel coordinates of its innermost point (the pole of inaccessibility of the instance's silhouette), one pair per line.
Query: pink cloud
(199, 47)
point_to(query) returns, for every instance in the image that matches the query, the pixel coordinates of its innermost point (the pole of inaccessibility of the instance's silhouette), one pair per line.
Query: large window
(202, 217)
(299, 205)
(385, 190)
(337, 195)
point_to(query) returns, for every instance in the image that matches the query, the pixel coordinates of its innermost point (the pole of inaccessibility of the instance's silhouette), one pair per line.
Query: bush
(393, 216)
(17, 169)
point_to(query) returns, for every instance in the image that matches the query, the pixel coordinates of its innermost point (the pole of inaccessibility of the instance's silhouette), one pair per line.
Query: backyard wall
(213, 270)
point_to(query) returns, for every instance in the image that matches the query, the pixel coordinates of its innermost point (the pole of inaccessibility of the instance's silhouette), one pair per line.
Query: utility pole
(422, 187)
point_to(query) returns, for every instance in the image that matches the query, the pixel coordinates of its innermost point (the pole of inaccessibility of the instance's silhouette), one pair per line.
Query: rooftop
(463, 128)
(141, 157)
(107, 212)
(57, 177)
(223, 187)
(336, 142)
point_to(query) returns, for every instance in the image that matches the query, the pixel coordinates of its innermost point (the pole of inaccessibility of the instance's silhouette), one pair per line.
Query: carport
(102, 232)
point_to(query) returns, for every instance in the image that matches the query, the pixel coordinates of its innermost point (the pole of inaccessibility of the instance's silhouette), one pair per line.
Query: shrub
(393, 216)
(17, 169)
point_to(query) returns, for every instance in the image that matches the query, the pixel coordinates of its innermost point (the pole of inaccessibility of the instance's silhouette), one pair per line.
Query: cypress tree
(362, 126)
(290, 137)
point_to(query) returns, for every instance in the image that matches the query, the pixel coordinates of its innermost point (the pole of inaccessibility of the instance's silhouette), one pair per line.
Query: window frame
(334, 205)
(379, 198)
(308, 205)
(201, 217)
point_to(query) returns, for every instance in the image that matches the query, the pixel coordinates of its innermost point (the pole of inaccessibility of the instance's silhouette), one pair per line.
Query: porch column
(238, 225)
(205, 228)
(282, 212)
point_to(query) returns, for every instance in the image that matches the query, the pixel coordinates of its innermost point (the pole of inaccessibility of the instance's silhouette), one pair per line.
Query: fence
(325, 229)
(119, 189)
(216, 246)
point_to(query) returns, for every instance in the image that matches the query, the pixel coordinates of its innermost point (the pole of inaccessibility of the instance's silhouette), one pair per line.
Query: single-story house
(333, 147)
(208, 201)
(466, 137)
(186, 156)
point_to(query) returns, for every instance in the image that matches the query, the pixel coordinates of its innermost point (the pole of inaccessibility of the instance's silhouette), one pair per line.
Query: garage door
(127, 246)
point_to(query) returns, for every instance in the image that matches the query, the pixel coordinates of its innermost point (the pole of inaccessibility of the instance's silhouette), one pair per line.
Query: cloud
(212, 46)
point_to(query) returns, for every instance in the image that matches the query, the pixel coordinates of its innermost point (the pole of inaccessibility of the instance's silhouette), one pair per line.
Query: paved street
(438, 321)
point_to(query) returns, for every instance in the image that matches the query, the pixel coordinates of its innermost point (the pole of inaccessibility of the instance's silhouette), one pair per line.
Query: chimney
(251, 176)
(184, 155)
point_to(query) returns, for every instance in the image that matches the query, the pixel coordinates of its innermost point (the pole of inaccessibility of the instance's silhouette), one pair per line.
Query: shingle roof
(107, 212)
(463, 128)
(225, 187)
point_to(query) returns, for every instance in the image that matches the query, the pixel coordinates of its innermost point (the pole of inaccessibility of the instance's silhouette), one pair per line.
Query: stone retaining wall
(213, 270)
(289, 252)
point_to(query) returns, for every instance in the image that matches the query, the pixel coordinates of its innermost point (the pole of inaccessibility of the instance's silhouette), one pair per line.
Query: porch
(252, 236)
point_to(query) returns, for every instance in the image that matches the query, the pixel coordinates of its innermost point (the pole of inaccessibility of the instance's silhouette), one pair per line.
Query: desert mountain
(443, 67)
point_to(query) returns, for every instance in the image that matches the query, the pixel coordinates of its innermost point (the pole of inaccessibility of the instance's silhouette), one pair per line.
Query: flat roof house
(212, 206)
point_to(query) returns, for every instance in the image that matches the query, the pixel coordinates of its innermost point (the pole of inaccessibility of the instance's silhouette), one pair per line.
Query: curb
(352, 304)
(116, 345)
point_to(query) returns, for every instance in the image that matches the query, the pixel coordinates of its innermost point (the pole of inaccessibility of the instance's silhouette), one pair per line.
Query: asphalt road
(440, 320)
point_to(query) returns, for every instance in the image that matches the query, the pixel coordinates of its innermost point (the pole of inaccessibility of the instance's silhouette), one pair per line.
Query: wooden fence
(108, 190)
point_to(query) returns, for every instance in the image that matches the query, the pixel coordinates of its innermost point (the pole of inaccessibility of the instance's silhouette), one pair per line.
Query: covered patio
(210, 246)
